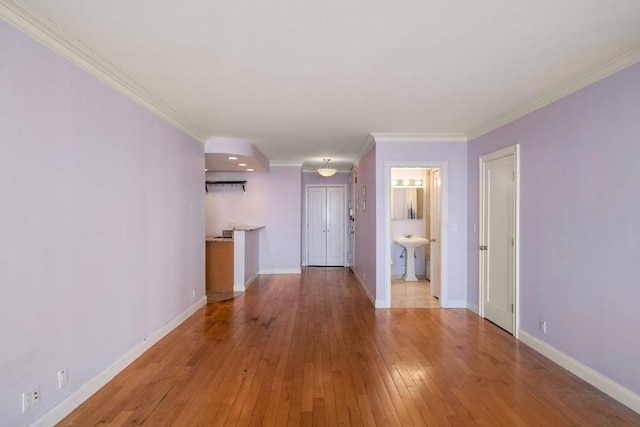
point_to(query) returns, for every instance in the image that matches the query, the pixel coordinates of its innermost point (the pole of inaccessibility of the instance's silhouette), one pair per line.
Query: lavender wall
(365, 223)
(455, 156)
(579, 223)
(273, 200)
(314, 178)
(251, 257)
(101, 225)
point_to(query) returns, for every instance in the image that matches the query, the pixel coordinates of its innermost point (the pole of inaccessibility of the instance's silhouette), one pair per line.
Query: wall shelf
(225, 183)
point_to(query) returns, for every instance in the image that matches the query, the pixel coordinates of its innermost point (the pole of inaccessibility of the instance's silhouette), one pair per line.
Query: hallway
(310, 350)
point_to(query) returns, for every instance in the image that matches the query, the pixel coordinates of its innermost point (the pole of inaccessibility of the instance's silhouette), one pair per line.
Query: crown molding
(416, 137)
(29, 21)
(617, 61)
(382, 137)
(370, 143)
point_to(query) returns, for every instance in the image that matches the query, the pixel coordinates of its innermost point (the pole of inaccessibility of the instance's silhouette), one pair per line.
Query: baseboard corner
(473, 307)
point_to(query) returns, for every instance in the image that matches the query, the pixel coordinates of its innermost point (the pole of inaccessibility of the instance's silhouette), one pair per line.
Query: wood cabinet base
(219, 266)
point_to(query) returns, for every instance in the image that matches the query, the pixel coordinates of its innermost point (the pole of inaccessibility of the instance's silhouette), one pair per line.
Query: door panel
(498, 234)
(436, 230)
(316, 226)
(335, 226)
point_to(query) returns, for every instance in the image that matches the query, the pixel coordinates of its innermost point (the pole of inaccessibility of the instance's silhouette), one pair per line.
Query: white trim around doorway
(305, 260)
(515, 151)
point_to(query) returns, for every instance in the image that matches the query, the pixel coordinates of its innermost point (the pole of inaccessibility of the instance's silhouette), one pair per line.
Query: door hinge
(513, 176)
(513, 242)
(512, 309)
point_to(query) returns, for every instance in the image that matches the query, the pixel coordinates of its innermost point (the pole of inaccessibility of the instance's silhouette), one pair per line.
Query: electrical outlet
(63, 377)
(31, 398)
(543, 326)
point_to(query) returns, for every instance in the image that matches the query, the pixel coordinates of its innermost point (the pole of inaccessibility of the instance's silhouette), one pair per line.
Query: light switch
(454, 226)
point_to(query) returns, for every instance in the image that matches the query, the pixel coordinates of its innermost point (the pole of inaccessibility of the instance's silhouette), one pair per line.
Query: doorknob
(483, 247)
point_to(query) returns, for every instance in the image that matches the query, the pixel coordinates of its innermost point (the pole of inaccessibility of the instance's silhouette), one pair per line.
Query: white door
(325, 225)
(316, 226)
(435, 246)
(497, 237)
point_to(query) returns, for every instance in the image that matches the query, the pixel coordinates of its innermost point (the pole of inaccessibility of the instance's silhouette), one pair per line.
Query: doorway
(498, 238)
(415, 210)
(326, 218)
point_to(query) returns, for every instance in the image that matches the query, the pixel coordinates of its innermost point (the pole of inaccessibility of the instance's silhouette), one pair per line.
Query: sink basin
(410, 244)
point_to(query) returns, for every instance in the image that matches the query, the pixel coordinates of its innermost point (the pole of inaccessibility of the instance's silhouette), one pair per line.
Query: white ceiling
(306, 80)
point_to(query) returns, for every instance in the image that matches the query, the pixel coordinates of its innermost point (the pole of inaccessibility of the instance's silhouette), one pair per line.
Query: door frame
(444, 221)
(432, 196)
(515, 151)
(306, 221)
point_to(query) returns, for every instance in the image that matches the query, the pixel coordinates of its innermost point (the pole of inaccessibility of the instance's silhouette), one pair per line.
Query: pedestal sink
(410, 243)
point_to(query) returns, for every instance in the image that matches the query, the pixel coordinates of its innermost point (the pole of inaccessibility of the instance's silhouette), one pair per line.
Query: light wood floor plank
(310, 350)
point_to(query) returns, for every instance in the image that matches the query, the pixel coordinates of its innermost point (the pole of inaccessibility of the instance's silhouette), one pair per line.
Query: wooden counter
(219, 265)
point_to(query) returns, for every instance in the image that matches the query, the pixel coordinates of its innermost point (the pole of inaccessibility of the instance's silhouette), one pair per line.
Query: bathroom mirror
(407, 203)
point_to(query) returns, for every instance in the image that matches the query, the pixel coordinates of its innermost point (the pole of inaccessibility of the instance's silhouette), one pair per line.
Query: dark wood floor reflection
(310, 350)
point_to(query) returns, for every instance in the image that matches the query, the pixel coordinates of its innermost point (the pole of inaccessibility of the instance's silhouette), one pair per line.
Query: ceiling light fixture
(325, 169)
(232, 158)
(242, 164)
(249, 170)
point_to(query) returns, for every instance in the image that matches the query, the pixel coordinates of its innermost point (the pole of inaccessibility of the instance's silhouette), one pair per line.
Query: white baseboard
(241, 287)
(596, 379)
(364, 289)
(251, 281)
(454, 303)
(379, 303)
(473, 307)
(281, 271)
(75, 399)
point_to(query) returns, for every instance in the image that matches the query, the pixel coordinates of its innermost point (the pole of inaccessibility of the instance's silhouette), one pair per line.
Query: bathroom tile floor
(412, 294)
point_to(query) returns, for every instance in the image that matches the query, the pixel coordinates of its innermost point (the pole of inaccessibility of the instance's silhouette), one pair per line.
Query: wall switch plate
(63, 377)
(543, 326)
(194, 292)
(31, 398)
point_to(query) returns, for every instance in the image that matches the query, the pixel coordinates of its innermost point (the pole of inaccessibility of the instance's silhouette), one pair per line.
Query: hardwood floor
(310, 350)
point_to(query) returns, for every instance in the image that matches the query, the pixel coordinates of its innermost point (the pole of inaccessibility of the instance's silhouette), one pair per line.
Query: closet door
(325, 226)
(317, 225)
(335, 226)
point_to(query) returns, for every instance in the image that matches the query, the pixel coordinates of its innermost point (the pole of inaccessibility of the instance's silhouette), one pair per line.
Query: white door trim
(306, 221)
(385, 301)
(515, 151)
